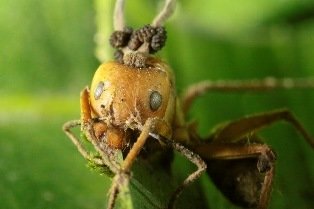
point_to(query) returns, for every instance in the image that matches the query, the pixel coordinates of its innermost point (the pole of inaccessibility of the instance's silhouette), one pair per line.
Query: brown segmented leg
(234, 131)
(129, 160)
(85, 124)
(228, 143)
(201, 168)
(122, 176)
(67, 129)
(256, 85)
(192, 157)
(138, 145)
(122, 179)
(104, 161)
(265, 164)
(113, 194)
(85, 118)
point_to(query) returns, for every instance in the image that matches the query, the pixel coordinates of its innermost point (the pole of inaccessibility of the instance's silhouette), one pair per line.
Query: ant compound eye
(99, 89)
(155, 100)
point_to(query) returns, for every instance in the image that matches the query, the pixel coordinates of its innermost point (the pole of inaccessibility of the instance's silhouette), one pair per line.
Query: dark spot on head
(99, 89)
(102, 106)
(155, 100)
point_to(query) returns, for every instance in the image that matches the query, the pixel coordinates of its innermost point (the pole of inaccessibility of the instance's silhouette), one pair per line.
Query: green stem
(103, 20)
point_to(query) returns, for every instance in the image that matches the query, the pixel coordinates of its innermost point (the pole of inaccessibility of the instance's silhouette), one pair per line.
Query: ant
(132, 104)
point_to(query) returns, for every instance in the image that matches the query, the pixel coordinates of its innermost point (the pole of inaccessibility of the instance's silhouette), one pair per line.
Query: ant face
(126, 96)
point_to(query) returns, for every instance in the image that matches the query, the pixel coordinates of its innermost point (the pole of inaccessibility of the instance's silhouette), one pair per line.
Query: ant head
(135, 46)
(125, 96)
(125, 93)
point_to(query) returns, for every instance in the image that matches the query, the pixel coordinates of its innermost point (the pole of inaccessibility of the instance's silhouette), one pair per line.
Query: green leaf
(47, 58)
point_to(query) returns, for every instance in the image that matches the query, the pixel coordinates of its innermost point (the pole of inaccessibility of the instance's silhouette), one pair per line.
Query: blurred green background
(47, 55)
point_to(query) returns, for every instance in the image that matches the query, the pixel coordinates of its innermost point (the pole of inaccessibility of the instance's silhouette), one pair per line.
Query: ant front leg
(93, 129)
(74, 123)
(152, 126)
(123, 175)
(87, 129)
(67, 129)
(85, 119)
(196, 160)
(192, 157)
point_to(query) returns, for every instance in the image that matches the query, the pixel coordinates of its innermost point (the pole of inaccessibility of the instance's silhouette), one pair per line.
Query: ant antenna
(118, 16)
(164, 14)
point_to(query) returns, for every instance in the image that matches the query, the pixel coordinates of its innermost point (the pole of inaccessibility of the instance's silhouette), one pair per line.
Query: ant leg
(192, 157)
(123, 176)
(265, 164)
(228, 142)
(201, 168)
(67, 129)
(108, 155)
(87, 124)
(137, 146)
(104, 160)
(236, 130)
(121, 180)
(257, 85)
(113, 194)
